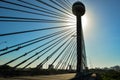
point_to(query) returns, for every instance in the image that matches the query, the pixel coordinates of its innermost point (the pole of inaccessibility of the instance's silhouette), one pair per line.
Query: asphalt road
(45, 77)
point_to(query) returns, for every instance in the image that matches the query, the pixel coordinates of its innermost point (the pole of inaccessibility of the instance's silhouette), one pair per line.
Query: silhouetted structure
(78, 9)
(55, 46)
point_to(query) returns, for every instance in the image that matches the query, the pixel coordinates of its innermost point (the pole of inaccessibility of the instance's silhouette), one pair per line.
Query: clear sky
(103, 34)
(102, 31)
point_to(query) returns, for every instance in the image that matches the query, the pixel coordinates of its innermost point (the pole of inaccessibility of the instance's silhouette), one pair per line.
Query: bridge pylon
(78, 9)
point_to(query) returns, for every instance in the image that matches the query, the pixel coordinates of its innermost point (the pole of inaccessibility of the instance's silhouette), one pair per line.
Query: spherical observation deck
(78, 8)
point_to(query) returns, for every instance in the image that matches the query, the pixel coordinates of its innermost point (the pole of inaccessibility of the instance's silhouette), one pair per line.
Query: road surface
(45, 77)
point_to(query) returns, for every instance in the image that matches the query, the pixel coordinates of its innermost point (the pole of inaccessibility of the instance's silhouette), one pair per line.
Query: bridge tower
(78, 9)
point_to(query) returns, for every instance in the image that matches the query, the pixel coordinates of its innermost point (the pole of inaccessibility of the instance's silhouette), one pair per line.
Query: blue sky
(103, 41)
(101, 35)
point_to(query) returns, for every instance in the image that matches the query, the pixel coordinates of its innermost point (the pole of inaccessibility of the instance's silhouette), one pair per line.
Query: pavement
(41, 77)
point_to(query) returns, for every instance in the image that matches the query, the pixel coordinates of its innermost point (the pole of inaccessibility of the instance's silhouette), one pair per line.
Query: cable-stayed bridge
(40, 37)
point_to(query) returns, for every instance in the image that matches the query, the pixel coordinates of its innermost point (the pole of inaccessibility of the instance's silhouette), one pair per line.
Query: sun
(73, 22)
(84, 22)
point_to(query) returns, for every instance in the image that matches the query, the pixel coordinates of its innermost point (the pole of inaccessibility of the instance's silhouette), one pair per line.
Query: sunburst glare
(84, 22)
(73, 21)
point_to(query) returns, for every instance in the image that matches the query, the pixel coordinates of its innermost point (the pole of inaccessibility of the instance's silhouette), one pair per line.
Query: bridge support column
(79, 9)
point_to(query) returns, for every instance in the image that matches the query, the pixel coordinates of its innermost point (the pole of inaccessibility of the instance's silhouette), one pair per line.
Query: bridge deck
(45, 77)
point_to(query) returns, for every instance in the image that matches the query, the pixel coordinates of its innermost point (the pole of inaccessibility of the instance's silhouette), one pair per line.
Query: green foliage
(111, 75)
(108, 74)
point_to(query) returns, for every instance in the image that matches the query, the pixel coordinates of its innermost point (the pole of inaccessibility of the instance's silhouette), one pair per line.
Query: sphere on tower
(78, 8)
